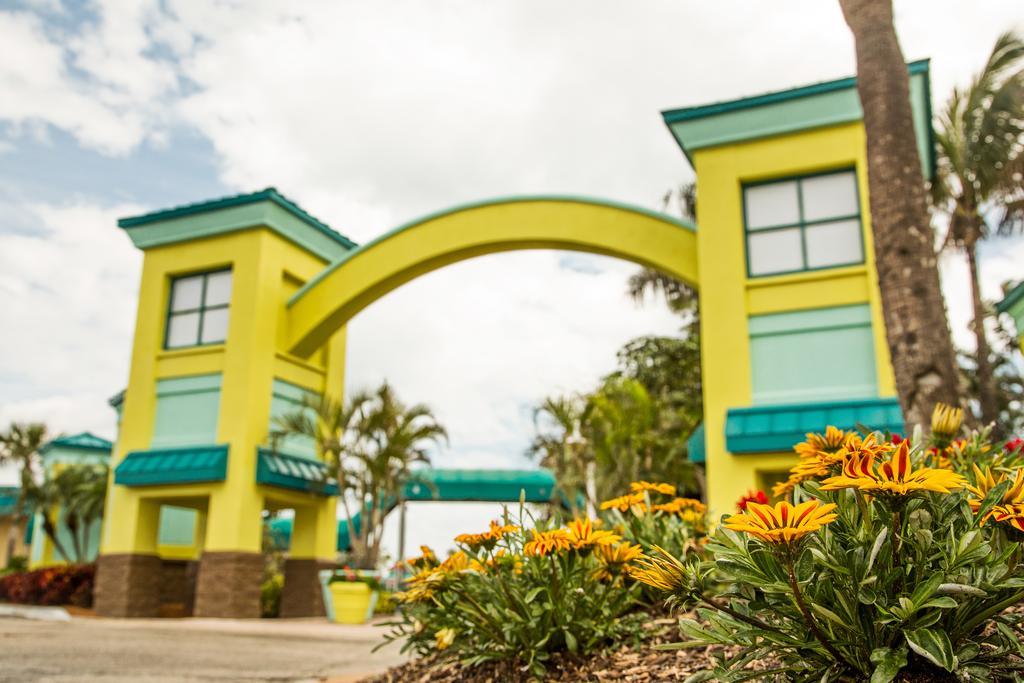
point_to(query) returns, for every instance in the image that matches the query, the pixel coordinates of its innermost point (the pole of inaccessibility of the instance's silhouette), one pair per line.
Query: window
(198, 311)
(802, 224)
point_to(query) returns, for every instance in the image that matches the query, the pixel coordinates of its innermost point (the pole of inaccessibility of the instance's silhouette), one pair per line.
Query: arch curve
(595, 226)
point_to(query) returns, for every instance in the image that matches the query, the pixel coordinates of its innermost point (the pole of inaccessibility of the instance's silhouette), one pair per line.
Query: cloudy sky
(369, 114)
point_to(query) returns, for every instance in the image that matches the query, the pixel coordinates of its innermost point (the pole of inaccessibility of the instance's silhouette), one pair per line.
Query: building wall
(729, 298)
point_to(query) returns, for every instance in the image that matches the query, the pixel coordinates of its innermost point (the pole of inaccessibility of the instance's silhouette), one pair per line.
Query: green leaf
(570, 641)
(943, 601)
(888, 663)
(879, 540)
(932, 645)
(532, 595)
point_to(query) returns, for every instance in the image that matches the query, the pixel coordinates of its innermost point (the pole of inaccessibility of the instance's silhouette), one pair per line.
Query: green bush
(270, 595)
(888, 563)
(510, 593)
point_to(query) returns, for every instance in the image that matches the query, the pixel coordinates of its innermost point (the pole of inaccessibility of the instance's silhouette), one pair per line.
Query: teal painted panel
(287, 398)
(185, 465)
(814, 355)
(187, 409)
(177, 525)
(771, 429)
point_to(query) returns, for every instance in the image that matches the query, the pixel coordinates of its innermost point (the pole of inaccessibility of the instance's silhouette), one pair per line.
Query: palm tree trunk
(913, 308)
(986, 385)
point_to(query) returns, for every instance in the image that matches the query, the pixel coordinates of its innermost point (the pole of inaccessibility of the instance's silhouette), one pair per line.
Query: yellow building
(792, 333)
(243, 303)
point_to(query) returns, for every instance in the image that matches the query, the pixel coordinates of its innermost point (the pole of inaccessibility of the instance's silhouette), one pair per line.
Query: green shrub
(889, 562)
(510, 593)
(270, 595)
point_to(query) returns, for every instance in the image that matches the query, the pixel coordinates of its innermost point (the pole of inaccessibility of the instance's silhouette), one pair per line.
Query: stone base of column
(178, 588)
(128, 585)
(302, 595)
(229, 585)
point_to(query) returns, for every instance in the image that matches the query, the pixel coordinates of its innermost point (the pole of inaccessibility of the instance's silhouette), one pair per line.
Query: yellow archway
(572, 223)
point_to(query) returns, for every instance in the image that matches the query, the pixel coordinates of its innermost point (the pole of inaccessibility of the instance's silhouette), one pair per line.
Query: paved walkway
(165, 650)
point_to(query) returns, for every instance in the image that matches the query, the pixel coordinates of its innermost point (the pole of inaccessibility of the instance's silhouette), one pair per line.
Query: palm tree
(370, 443)
(390, 438)
(84, 495)
(19, 446)
(912, 305)
(559, 446)
(980, 163)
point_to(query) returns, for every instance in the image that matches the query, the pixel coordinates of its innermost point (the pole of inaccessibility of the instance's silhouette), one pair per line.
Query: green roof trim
(696, 445)
(83, 441)
(700, 111)
(1011, 297)
(180, 465)
(294, 472)
(269, 194)
(775, 428)
(790, 111)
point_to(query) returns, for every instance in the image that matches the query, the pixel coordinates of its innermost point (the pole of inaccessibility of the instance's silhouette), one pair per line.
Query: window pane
(830, 196)
(186, 292)
(777, 251)
(831, 244)
(215, 326)
(773, 204)
(182, 330)
(218, 288)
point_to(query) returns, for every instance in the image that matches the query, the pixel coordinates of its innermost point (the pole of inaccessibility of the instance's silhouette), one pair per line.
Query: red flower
(1014, 445)
(896, 439)
(752, 497)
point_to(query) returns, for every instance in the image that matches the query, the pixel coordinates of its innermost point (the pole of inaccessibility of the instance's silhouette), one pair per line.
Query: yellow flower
(455, 563)
(819, 445)
(583, 536)
(1004, 510)
(444, 638)
(946, 420)
(426, 559)
(784, 524)
(896, 477)
(664, 572)
(641, 486)
(624, 503)
(614, 559)
(688, 510)
(547, 542)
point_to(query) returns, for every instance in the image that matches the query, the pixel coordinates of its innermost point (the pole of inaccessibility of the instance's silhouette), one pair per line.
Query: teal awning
(695, 445)
(178, 465)
(499, 486)
(294, 472)
(768, 429)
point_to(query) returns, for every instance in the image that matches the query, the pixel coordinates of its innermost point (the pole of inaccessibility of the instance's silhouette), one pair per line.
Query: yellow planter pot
(352, 601)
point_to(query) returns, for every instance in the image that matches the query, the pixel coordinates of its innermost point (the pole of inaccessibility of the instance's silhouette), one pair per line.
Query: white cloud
(68, 291)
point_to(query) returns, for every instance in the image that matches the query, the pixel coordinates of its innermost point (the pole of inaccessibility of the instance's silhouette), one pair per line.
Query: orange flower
(641, 486)
(823, 445)
(583, 536)
(487, 539)
(895, 477)
(547, 542)
(784, 524)
(1010, 514)
(624, 503)
(614, 559)
(1010, 507)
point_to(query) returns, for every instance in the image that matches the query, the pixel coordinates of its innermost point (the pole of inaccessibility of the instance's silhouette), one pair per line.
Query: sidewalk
(99, 650)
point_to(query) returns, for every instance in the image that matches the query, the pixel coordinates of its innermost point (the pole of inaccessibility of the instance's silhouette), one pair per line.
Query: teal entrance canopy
(452, 485)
